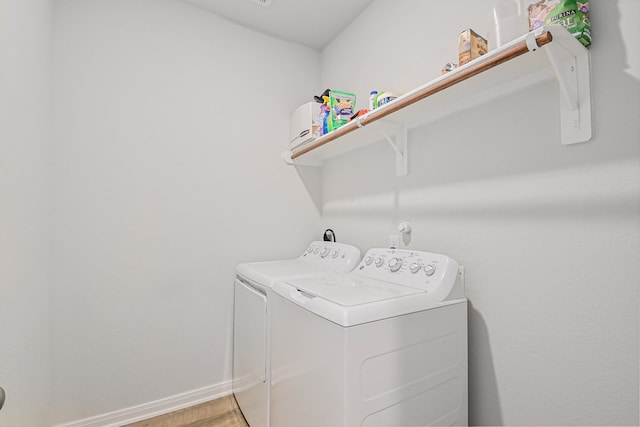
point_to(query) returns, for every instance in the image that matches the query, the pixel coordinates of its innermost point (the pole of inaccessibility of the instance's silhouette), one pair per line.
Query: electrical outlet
(394, 241)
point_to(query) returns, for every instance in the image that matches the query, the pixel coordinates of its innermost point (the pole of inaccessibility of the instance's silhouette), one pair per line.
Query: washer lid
(387, 283)
(347, 302)
(351, 290)
(268, 272)
(318, 258)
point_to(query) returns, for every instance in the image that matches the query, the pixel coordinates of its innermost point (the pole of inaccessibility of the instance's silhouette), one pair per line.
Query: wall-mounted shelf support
(573, 74)
(286, 156)
(399, 145)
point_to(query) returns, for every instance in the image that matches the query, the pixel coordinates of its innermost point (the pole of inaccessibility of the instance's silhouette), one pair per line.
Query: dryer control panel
(340, 257)
(416, 269)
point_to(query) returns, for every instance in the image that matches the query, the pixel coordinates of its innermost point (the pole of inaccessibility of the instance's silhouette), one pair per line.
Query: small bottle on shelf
(372, 100)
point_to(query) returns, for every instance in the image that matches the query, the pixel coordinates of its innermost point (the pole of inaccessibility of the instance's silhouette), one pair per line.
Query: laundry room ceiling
(313, 23)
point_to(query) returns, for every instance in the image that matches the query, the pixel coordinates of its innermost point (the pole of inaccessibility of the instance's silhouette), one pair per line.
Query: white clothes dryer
(252, 313)
(385, 345)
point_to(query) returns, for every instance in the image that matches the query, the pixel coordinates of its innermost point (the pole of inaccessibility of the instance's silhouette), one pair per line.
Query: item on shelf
(372, 100)
(509, 22)
(319, 98)
(305, 124)
(385, 98)
(571, 14)
(359, 114)
(343, 105)
(470, 46)
(327, 120)
(324, 112)
(449, 66)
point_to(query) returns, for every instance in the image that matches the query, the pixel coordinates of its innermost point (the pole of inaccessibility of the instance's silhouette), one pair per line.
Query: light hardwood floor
(223, 412)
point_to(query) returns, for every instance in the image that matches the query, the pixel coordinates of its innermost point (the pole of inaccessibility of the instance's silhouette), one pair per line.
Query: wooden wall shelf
(549, 52)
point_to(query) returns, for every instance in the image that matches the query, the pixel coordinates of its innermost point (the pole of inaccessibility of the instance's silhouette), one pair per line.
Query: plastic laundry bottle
(372, 100)
(325, 112)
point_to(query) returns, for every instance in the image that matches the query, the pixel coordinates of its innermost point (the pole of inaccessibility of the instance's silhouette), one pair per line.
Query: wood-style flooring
(222, 412)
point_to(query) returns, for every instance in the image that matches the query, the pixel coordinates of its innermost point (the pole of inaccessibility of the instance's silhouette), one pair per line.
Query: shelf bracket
(572, 72)
(399, 146)
(286, 156)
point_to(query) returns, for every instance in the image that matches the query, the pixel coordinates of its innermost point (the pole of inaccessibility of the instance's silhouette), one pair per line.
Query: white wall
(169, 124)
(148, 185)
(549, 234)
(25, 28)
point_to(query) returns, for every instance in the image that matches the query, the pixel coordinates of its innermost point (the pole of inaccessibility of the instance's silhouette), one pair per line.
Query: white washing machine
(251, 337)
(382, 346)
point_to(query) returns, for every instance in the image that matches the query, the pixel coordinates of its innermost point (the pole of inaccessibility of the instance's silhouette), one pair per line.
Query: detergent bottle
(372, 100)
(508, 22)
(325, 116)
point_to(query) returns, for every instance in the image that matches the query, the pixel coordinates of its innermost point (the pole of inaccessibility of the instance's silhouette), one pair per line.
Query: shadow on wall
(484, 401)
(512, 135)
(311, 178)
(629, 24)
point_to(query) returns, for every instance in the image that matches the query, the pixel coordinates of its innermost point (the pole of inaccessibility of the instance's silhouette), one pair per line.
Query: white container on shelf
(305, 124)
(508, 22)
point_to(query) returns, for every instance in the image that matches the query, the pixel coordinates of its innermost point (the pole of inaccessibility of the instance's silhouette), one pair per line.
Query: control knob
(414, 267)
(379, 262)
(395, 264)
(334, 254)
(429, 269)
(324, 252)
(368, 260)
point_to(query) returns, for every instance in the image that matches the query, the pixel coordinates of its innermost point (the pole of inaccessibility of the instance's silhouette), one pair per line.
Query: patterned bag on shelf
(571, 14)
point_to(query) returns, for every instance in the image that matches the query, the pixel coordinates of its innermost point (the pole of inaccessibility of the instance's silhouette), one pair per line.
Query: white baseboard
(155, 408)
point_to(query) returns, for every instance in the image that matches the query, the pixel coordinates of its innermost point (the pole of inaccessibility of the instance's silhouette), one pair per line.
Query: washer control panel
(417, 269)
(337, 256)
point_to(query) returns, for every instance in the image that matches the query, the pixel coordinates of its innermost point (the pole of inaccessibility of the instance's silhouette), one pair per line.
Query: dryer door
(249, 353)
